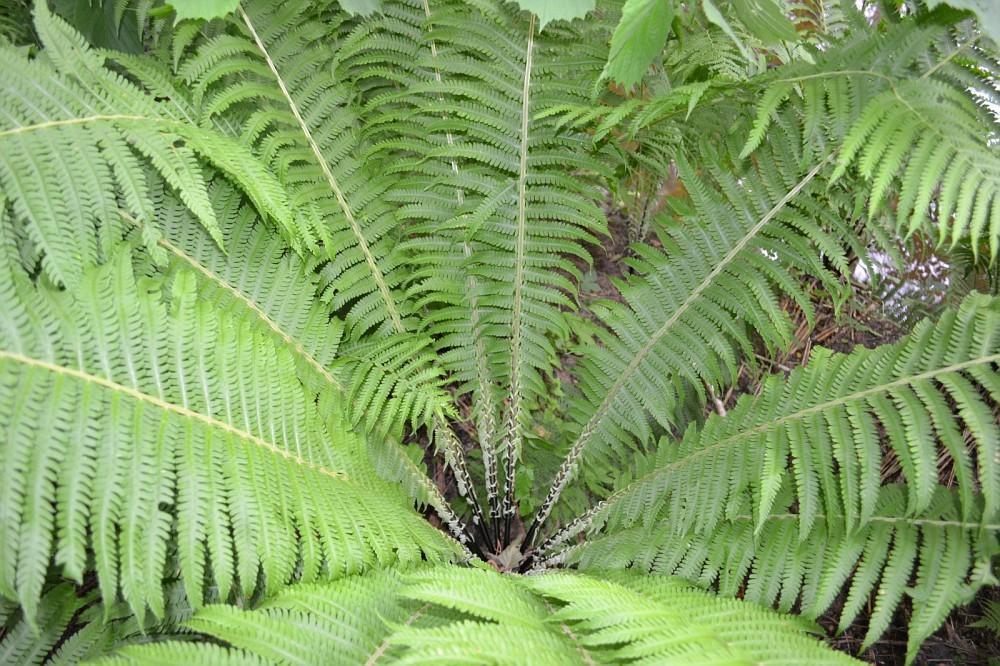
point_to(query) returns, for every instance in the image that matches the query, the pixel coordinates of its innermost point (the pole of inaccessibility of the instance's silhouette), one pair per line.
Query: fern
(892, 131)
(263, 285)
(68, 103)
(796, 495)
(338, 202)
(990, 619)
(71, 627)
(498, 218)
(299, 120)
(690, 313)
(450, 615)
(275, 279)
(153, 391)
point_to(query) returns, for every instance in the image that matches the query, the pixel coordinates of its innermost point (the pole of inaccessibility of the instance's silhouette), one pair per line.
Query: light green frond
(497, 217)
(274, 291)
(73, 136)
(272, 74)
(171, 417)
(300, 119)
(474, 616)
(915, 130)
(393, 383)
(937, 561)
(259, 278)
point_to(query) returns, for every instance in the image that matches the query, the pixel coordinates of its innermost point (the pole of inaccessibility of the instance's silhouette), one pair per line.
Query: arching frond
(72, 137)
(258, 279)
(453, 615)
(300, 119)
(273, 290)
(937, 561)
(694, 304)
(813, 442)
(913, 128)
(272, 74)
(129, 418)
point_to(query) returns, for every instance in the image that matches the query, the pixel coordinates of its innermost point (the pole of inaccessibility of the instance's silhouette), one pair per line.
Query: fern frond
(813, 441)
(990, 619)
(15, 21)
(157, 418)
(259, 277)
(72, 626)
(73, 137)
(307, 130)
(472, 118)
(938, 560)
(272, 75)
(299, 119)
(260, 282)
(30, 640)
(913, 130)
(454, 615)
(691, 309)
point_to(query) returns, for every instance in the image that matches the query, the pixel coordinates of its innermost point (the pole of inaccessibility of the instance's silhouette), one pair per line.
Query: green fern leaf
(824, 416)
(81, 106)
(454, 615)
(169, 401)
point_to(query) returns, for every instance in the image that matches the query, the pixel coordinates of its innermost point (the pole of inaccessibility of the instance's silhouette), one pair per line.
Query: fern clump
(295, 366)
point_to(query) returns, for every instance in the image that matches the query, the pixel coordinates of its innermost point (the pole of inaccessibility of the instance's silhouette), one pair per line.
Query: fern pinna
(295, 366)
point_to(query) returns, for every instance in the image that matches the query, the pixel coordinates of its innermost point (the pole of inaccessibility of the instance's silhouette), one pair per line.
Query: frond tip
(75, 140)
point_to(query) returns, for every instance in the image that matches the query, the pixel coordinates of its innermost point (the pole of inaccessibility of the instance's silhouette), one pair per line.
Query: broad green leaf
(362, 7)
(203, 9)
(986, 11)
(766, 19)
(638, 39)
(556, 10)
